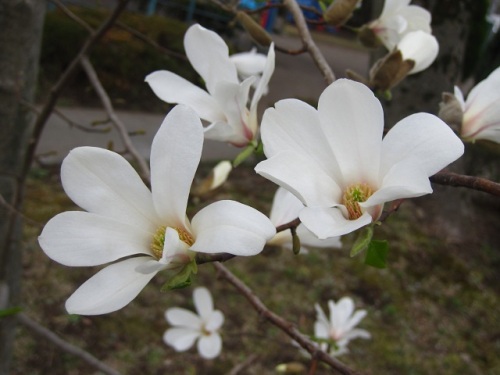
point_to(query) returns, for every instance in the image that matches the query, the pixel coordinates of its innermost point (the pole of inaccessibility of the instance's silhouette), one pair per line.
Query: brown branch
(73, 16)
(64, 345)
(119, 125)
(281, 323)
(308, 42)
(292, 52)
(243, 365)
(58, 87)
(471, 182)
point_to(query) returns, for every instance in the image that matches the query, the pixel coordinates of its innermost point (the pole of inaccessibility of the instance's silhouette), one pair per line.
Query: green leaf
(10, 311)
(181, 279)
(362, 242)
(243, 155)
(376, 256)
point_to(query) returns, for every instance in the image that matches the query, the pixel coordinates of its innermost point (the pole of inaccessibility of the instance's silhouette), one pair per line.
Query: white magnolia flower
(399, 18)
(147, 231)
(481, 110)
(250, 63)
(339, 329)
(225, 105)
(220, 173)
(420, 47)
(286, 207)
(334, 159)
(189, 327)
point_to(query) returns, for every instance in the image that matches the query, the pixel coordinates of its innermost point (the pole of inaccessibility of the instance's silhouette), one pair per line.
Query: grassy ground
(434, 310)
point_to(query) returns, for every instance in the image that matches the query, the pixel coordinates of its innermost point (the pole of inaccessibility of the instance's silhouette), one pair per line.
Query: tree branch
(119, 125)
(73, 16)
(64, 345)
(308, 42)
(281, 323)
(471, 182)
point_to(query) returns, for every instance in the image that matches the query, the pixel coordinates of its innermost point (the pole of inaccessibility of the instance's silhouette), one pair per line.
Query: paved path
(294, 77)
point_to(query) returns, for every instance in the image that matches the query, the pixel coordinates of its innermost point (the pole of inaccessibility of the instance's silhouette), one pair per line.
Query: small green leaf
(10, 311)
(362, 242)
(376, 256)
(243, 155)
(181, 279)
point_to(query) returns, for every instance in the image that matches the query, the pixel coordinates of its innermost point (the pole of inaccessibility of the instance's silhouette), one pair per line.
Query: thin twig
(243, 365)
(64, 345)
(73, 16)
(308, 42)
(119, 125)
(471, 182)
(281, 323)
(63, 80)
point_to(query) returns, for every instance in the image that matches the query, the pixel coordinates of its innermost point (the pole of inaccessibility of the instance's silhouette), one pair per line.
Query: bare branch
(64, 345)
(471, 182)
(73, 16)
(119, 125)
(281, 323)
(243, 365)
(308, 42)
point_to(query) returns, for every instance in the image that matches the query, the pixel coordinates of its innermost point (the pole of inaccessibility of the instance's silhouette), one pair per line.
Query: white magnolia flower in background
(286, 207)
(420, 47)
(147, 231)
(225, 105)
(339, 329)
(249, 64)
(399, 18)
(189, 327)
(481, 110)
(334, 159)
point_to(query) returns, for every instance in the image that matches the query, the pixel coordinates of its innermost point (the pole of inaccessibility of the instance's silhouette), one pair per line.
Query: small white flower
(249, 64)
(189, 327)
(144, 231)
(334, 159)
(420, 47)
(339, 329)
(481, 110)
(225, 105)
(286, 207)
(220, 173)
(397, 19)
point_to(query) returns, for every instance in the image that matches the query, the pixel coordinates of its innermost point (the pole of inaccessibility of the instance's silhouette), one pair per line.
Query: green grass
(434, 310)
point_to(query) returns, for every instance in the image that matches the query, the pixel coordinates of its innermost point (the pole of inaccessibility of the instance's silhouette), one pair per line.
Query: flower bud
(450, 110)
(389, 71)
(368, 38)
(339, 11)
(256, 31)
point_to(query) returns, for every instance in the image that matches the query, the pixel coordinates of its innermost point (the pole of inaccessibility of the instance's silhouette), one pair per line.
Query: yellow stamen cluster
(352, 196)
(158, 241)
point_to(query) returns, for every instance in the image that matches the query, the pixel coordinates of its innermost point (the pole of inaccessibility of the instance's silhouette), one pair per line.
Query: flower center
(158, 241)
(352, 196)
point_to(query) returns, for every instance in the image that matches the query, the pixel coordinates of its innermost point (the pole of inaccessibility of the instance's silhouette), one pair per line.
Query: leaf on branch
(376, 256)
(362, 242)
(10, 311)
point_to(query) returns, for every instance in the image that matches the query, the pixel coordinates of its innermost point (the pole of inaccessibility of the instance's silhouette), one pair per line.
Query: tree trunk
(21, 22)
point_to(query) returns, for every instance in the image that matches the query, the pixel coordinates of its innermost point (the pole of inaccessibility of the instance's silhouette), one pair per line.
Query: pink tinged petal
(181, 339)
(231, 227)
(285, 208)
(180, 317)
(175, 155)
(294, 126)
(110, 289)
(302, 177)
(171, 88)
(203, 302)
(423, 138)
(85, 239)
(352, 120)
(210, 346)
(327, 222)
(208, 54)
(420, 47)
(104, 183)
(214, 321)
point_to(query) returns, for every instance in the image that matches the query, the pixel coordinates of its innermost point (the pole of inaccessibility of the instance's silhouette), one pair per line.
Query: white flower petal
(208, 54)
(353, 121)
(171, 88)
(175, 155)
(180, 317)
(356, 333)
(302, 177)
(321, 331)
(85, 239)
(264, 80)
(285, 208)
(230, 227)
(249, 63)
(203, 302)
(424, 138)
(103, 182)
(175, 252)
(340, 313)
(220, 173)
(354, 320)
(420, 47)
(309, 239)
(210, 346)
(181, 339)
(215, 321)
(460, 97)
(110, 289)
(327, 222)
